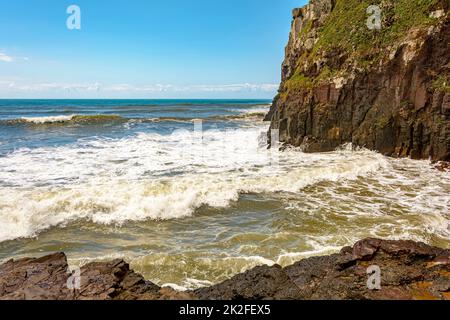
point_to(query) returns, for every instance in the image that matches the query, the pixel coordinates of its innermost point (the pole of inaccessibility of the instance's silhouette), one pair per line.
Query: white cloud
(48, 87)
(234, 87)
(7, 58)
(128, 88)
(194, 88)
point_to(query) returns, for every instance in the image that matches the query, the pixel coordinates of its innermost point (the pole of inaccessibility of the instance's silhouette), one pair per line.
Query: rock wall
(386, 90)
(408, 270)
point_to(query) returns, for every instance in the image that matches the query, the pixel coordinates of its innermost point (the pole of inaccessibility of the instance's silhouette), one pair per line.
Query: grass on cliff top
(346, 27)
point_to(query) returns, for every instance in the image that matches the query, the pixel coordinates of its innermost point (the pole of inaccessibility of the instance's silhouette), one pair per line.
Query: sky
(143, 48)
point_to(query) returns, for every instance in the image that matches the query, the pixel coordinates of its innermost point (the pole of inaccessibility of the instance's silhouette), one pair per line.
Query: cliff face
(384, 89)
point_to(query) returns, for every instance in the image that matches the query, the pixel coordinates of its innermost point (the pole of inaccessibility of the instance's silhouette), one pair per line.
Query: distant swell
(63, 119)
(75, 119)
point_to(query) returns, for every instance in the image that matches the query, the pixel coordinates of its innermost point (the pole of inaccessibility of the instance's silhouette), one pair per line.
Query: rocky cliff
(386, 89)
(407, 270)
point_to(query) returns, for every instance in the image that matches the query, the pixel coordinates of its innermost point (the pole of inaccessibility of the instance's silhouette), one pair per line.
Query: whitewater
(193, 202)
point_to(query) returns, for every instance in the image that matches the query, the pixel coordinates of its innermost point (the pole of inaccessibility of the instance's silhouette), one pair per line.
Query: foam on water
(151, 176)
(188, 210)
(50, 119)
(407, 199)
(252, 114)
(67, 119)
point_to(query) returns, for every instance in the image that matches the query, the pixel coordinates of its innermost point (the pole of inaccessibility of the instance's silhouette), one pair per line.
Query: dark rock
(442, 166)
(47, 278)
(409, 270)
(29, 279)
(392, 98)
(257, 284)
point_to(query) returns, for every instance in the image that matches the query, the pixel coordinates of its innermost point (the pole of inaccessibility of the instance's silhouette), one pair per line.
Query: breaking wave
(151, 176)
(66, 119)
(75, 119)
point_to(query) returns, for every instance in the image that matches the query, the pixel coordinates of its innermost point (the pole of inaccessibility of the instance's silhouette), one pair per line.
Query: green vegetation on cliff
(442, 83)
(299, 80)
(346, 26)
(345, 32)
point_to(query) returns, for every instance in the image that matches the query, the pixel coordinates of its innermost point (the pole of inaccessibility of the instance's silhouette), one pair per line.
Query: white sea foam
(408, 199)
(289, 258)
(50, 119)
(151, 176)
(252, 113)
(174, 286)
(255, 110)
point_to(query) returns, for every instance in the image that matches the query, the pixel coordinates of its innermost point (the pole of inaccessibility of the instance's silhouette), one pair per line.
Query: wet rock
(49, 278)
(257, 284)
(390, 96)
(409, 270)
(442, 166)
(31, 279)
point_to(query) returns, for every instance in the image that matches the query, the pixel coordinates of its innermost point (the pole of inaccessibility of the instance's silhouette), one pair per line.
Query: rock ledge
(409, 270)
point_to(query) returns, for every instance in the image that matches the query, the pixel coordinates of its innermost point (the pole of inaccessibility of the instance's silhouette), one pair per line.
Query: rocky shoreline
(408, 271)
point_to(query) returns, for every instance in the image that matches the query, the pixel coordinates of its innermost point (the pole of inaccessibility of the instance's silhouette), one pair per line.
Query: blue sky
(143, 49)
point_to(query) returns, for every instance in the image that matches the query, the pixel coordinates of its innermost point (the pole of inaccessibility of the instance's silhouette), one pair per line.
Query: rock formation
(385, 89)
(409, 270)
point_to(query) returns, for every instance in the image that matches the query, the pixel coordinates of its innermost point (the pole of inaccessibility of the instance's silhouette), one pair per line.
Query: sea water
(188, 192)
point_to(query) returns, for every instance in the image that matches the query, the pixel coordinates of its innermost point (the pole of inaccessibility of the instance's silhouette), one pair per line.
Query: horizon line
(199, 99)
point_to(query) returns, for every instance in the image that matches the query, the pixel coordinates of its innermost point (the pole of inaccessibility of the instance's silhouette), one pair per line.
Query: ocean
(188, 192)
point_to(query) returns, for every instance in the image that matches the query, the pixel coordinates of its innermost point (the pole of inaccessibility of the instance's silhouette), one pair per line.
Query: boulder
(408, 271)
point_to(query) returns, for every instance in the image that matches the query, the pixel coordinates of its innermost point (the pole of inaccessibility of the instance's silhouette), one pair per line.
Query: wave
(74, 119)
(150, 176)
(228, 264)
(252, 114)
(66, 119)
(89, 120)
(247, 115)
(166, 119)
(159, 177)
(197, 104)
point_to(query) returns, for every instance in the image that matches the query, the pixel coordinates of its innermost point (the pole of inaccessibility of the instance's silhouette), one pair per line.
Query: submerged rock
(408, 270)
(442, 166)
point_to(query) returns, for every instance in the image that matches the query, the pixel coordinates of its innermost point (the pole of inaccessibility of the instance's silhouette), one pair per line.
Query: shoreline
(408, 271)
